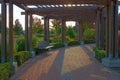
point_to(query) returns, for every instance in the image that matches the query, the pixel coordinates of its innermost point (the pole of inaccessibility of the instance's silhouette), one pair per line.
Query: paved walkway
(70, 63)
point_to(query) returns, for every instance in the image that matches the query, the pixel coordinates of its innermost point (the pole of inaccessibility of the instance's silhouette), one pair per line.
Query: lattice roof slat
(48, 2)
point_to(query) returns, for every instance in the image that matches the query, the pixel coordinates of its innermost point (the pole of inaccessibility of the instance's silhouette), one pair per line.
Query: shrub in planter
(21, 57)
(100, 54)
(71, 43)
(5, 71)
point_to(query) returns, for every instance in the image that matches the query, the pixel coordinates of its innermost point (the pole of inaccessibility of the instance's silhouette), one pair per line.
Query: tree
(37, 26)
(56, 26)
(18, 28)
(70, 32)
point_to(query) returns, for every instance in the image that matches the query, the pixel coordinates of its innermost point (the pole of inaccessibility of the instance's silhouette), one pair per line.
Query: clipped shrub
(57, 45)
(100, 54)
(21, 57)
(87, 41)
(94, 48)
(5, 71)
(21, 44)
(68, 38)
(71, 43)
(56, 39)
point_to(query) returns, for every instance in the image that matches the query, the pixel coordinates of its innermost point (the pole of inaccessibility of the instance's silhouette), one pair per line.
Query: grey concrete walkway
(71, 63)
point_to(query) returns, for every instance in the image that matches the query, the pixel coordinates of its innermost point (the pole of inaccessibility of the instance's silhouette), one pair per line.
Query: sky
(17, 15)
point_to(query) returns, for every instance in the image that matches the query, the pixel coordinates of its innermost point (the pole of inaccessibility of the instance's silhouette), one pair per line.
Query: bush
(94, 48)
(87, 41)
(100, 54)
(57, 38)
(5, 71)
(88, 34)
(71, 43)
(57, 45)
(70, 32)
(21, 57)
(21, 44)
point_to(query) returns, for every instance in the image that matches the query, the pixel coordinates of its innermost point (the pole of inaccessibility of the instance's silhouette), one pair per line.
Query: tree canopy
(18, 27)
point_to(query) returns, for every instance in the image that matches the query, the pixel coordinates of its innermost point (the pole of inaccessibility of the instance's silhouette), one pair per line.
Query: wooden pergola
(103, 12)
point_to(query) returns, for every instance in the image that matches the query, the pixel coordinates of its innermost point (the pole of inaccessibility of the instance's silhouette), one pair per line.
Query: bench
(44, 45)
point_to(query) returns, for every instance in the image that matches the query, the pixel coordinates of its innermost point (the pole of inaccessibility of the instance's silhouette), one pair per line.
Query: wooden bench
(44, 45)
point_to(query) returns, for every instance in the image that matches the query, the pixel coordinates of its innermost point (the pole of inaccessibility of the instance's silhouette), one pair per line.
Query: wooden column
(26, 32)
(3, 32)
(113, 30)
(77, 29)
(97, 28)
(81, 32)
(116, 29)
(11, 40)
(48, 32)
(30, 32)
(100, 30)
(102, 33)
(46, 29)
(112, 60)
(63, 32)
(107, 30)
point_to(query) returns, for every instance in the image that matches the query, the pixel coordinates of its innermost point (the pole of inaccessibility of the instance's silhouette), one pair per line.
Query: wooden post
(97, 28)
(3, 31)
(30, 31)
(46, 29)
(26, 31)
(63, 32)
(113, 30)
(81, 32)
(113, 59)
(116, 28)
(107, 30)
(77, 29)
(11, 46)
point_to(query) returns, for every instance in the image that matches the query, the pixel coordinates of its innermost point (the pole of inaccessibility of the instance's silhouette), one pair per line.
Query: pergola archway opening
(99, 11)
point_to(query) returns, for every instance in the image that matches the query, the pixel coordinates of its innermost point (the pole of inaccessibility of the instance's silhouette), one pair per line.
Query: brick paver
(70, 63)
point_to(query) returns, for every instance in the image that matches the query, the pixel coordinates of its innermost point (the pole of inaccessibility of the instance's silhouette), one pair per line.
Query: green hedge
(57, 45)
(5, 71)
(88, 41)
(100, 54)
(21, 57)
(94, 48)
(72, 43)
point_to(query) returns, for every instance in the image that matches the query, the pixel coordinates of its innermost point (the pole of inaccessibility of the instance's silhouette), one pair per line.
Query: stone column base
(111, 62)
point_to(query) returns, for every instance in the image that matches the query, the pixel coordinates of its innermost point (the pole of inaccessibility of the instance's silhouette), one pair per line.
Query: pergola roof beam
(65, 8)
(57, 2)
